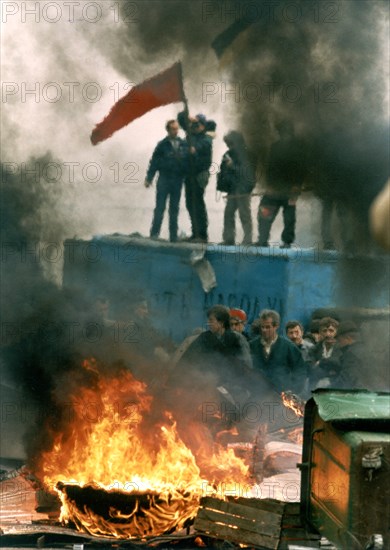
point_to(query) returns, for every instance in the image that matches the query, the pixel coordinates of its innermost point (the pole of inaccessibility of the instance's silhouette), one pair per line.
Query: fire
(115, 448)
(293, 402)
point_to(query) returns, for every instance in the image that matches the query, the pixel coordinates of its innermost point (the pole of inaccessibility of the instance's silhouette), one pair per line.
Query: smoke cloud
(321, 66)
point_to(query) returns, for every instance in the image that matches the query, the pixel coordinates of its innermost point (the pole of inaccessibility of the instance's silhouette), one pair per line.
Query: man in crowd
(313, 334)
(294, 332)
(219, 345)
(170, 160)
(217, 364)
(351, 360)
(326, 345)
(341, 369)
(285, 173)
(276, 357)
(200, 157)
(238, 319)
(324, 355)
(144, 340)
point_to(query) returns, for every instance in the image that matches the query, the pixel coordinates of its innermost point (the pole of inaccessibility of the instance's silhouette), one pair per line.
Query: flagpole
(186, 118)
(194, 219)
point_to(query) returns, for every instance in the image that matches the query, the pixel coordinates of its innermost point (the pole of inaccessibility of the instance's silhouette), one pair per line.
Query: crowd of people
(187, 162)
(328, 354)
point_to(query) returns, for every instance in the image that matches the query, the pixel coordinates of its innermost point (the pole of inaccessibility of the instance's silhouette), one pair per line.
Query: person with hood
(237, 178)
(200, 142)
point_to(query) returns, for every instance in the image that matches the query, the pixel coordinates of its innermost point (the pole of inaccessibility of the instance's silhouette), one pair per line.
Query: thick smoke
(36, 314)
(322, 71)
(48, 332)
(322, 67)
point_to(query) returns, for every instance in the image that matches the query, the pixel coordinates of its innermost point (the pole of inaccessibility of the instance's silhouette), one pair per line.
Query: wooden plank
(242, 511)
(40, 528)
(18, 502)
(267, 504)
(234, 521)
(225, 532)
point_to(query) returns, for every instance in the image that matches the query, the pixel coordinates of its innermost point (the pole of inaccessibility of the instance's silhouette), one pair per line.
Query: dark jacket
(352, 360)
(238, 177)
(201, 160)
(226, 356)
(286, 166)
(167, 161)
(316, 353)
(203, 143)
(341, 370)
(284, 366)
(216, 370)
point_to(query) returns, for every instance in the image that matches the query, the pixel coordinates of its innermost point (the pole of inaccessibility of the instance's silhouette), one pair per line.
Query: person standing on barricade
(237, 178)
(285, 173)
(170, 159)
(200, 156)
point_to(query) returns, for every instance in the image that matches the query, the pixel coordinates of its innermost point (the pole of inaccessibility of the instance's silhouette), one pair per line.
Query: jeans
(196, 208)
(167, 186)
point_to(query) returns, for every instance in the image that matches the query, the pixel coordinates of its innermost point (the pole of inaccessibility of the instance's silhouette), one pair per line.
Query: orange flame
(292, 401)
(112, 443)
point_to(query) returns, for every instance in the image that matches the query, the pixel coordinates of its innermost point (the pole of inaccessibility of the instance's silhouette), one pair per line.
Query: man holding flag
(200, 157)
(163, 89)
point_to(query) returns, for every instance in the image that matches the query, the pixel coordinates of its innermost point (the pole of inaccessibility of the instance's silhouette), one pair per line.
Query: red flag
(162, 89)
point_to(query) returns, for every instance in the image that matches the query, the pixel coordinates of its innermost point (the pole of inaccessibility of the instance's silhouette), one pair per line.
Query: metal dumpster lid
(339, 405)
